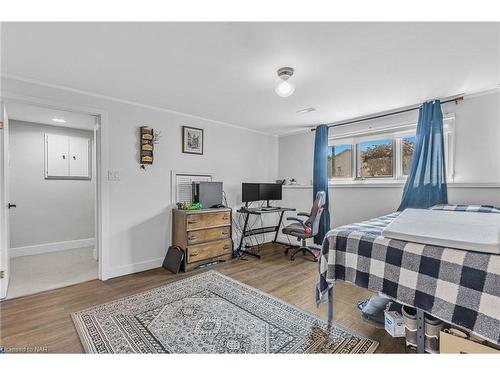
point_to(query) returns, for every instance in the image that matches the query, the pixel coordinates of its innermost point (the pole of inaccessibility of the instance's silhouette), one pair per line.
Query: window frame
(396, 133)
(400, 152)
(358, 160)
(353, 157)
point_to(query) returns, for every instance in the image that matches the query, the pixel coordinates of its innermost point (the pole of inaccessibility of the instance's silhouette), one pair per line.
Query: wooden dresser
(204, 235)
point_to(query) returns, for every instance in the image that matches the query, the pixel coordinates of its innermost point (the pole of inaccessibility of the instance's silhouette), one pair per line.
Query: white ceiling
(43, 115)
(227, 71)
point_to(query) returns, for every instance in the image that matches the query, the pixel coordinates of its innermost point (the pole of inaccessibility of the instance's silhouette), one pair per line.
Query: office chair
(306, 229)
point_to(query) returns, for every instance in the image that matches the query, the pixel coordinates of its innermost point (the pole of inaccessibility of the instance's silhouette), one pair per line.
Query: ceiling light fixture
(284, 87)
(306, 110)
(60, 120)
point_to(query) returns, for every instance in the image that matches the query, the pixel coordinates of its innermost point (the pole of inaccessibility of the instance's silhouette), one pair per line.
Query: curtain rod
(450, 99)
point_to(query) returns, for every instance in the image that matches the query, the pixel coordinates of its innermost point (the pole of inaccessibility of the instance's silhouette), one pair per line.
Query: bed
(457, 286)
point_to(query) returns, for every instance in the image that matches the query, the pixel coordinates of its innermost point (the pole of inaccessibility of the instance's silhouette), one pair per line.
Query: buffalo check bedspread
(459, 287)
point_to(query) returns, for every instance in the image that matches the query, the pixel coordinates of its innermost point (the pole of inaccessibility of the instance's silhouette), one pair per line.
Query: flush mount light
(60, 120)
(284, 87)
(306, 110)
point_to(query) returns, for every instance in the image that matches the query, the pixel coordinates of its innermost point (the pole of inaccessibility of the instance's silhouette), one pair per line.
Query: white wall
(48, 211)
(140, 204)
(477, 164)
(477, 155)
(477, 127)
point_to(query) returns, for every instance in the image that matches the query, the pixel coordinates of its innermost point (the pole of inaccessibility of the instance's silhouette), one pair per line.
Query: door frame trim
(101, 141)
(4, 210)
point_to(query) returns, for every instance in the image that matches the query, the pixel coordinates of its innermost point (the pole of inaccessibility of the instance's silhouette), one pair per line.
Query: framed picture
(192, 140)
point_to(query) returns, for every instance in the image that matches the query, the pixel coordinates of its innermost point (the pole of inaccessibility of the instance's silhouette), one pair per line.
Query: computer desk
(252, 232)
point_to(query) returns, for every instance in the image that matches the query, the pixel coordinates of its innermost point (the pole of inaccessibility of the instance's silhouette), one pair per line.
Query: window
(376, 158)
(407, 148)
(382, 152)
(340, 161)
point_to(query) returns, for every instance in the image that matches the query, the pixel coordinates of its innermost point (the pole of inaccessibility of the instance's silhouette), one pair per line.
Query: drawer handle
(225, 247)
(192, 238)
(225, 217)
(192, 221)
(225, 232)
(194, 254)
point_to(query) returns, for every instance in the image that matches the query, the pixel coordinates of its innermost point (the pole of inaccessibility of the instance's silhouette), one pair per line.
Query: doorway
(52, 175)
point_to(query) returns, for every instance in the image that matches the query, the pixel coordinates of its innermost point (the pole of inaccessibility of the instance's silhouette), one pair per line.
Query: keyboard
(270, 208)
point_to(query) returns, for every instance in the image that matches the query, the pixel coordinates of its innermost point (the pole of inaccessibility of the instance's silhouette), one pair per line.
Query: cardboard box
(394, 324)
(451, 344)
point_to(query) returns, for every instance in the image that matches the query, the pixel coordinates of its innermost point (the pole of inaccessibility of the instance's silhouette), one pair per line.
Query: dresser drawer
(205, 235)
(208, 250)
(207, 219)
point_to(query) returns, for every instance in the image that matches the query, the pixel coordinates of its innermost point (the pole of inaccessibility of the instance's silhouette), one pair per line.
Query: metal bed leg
(330, 305)
(420, 331)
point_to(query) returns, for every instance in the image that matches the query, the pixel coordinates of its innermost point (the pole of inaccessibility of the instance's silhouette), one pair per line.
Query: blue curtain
(426, 183)
(320, 178)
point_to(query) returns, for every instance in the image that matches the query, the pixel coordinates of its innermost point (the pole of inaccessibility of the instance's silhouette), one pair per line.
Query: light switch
(113, 175)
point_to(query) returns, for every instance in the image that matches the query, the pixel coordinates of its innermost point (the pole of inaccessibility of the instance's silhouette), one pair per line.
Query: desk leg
(240, 251)
(278, 227)
(243, 232)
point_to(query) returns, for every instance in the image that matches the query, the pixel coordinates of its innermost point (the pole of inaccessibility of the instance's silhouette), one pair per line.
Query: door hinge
(1, 125)
(1, 274)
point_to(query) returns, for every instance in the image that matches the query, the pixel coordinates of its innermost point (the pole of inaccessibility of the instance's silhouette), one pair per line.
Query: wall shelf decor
(147, 145)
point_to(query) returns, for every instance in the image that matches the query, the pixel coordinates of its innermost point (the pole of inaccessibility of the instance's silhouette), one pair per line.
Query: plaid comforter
(459, 287)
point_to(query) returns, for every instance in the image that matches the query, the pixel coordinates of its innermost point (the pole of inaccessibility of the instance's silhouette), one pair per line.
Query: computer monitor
(252, 192)
(249, 192)
(270, 192)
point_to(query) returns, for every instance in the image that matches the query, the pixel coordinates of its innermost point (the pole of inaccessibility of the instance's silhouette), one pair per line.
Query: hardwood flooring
(42, 321)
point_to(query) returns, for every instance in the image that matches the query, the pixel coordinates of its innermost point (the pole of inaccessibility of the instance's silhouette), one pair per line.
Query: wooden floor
(43, 320)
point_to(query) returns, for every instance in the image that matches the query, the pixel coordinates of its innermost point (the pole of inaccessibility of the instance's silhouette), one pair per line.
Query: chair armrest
(303, 214)
(297, 220)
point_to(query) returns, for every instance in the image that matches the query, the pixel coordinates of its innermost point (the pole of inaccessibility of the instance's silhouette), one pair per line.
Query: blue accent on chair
(320, 178)
(426, 183)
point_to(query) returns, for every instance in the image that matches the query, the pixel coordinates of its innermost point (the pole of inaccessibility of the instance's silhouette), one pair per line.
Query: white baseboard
(133, 268)
(50, 247)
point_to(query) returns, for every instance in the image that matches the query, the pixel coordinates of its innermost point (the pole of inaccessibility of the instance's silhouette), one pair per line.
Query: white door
(57, 153)
(5, 205)
(78, 157)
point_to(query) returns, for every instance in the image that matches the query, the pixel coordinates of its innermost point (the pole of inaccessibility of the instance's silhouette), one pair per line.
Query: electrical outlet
(113, 175)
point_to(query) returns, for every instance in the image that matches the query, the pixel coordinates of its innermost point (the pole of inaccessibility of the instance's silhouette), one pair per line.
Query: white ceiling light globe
(284, 88)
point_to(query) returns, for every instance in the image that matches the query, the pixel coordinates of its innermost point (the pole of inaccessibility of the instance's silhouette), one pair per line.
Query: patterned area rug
(210, 313)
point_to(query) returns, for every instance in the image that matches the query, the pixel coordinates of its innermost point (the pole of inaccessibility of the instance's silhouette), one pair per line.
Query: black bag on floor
(173, 259)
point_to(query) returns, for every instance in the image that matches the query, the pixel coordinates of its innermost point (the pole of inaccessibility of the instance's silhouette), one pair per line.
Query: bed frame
(420, 322)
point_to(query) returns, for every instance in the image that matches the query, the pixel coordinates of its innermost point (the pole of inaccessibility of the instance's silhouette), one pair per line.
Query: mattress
(475, 231)
(457, 286)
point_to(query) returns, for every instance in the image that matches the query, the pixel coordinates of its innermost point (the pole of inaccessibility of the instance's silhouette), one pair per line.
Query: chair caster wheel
(315, 259)
(292, 258)
(304, 252)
